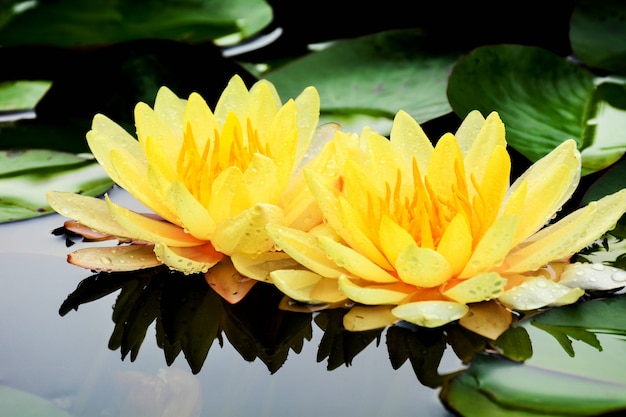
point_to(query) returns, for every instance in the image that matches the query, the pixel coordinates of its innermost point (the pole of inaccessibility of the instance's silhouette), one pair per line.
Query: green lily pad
(18, 403)
(70, 23)
(367, 80)
(577, 371)
(598, 34)
(22, 95)
(543, 99)
(26, 176)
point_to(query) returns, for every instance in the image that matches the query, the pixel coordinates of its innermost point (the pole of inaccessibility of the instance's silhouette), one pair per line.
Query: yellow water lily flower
(214, 178)
(425, 232)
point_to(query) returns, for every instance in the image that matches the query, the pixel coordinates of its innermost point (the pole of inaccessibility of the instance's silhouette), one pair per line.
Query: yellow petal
(493, 187)
(422, 267)
(327, 290)
(225, 188)
(408, 137)
(393, 238)
(430, 313)
(149, 124)
(456, 243)
(200, 119)
(259, 266)
(150, 230)
(303, 213)
(569, 235)
(89, 211)
(442, 168)
(493, 247)
(359, 235)
(303, 247)
(374, 294)
(354, 262)
(263, 106)
(362, 318)
(170, 109)
(262, 180)
(246, 232)
(386, 161)
(191, 260)
(489, 319)
(468, 130)
(234, 98)
(306, 286)
(489, 138)
(115, 259)
(551, 180)
(193, 216)
(481, 287)
(227, 282)
(123, 159)
(308, 110)
(106, 135)
(327, 199)
(359, 187)
(160, 162)
(539, 292)
(321, 149)
(141, 190)
(283, 139)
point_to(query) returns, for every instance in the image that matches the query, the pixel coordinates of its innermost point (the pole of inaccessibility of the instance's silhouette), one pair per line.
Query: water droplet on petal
(619, 276)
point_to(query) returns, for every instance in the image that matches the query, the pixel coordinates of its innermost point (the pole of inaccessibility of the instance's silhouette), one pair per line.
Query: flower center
(198, 168)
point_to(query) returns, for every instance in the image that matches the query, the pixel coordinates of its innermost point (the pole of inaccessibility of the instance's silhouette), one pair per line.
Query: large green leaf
(71, 23)
(26, 176)
(367, 80)
(576, 368)
(17, 403)
(598, 34)
(543, 100)
(21, 95)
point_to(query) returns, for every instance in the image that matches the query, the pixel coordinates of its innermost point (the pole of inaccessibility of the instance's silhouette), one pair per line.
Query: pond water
(66, 359)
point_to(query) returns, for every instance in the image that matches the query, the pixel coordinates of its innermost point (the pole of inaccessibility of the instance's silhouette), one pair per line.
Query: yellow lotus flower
(424, 232)
(215, 179)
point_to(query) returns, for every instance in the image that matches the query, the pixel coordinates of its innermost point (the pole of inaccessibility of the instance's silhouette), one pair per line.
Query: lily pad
(578, 371)
(367, 80)
(598, 34)
(21, 95)
(18, 403)
(543, 99)
(26, 176)
(70, 23)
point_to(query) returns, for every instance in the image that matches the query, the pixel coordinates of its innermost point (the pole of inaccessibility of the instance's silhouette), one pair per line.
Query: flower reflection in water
(190, 316)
